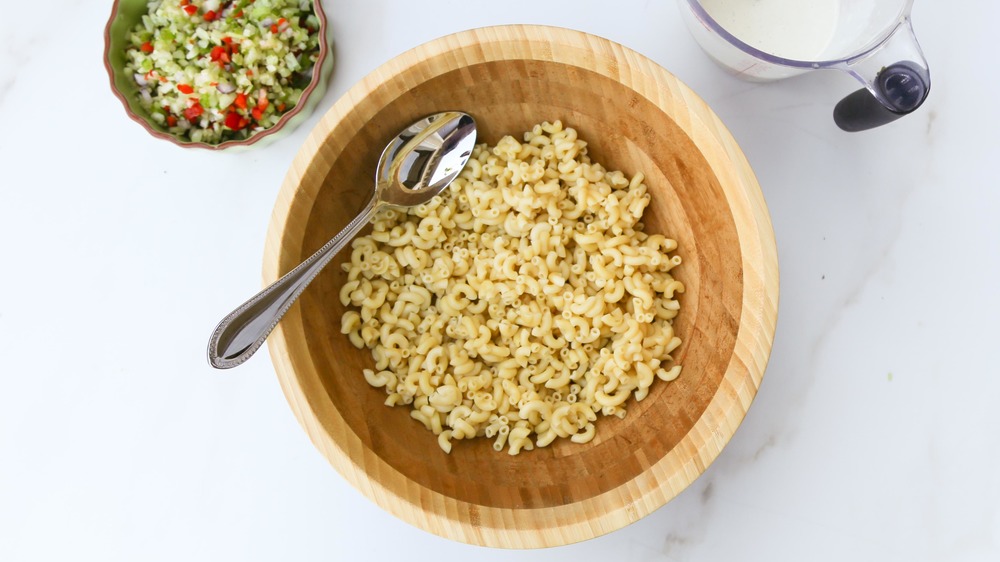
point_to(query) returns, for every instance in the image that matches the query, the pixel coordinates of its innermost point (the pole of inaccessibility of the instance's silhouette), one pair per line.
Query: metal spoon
(418, 164)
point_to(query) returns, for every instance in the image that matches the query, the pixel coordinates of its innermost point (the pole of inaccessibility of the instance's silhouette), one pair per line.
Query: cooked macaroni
(521, 303)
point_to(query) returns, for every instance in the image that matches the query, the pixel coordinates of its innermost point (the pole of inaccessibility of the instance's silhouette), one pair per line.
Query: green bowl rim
(324, 52)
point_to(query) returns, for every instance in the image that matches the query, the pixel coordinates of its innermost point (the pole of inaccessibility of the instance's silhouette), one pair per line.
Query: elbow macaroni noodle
(523, 302)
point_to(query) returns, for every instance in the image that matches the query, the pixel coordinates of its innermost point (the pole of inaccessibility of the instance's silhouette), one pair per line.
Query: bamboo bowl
(636, 117)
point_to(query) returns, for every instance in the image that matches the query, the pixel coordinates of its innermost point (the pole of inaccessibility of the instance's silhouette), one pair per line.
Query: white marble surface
(874, 435)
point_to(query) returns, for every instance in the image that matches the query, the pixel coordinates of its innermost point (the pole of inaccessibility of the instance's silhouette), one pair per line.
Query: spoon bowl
(416, 165)
(425, 158)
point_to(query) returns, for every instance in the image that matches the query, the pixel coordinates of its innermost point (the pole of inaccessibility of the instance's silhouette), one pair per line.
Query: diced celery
(225, 100)
(260, 11)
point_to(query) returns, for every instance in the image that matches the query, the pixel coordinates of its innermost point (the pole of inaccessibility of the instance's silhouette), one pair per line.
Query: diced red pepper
(257, 113)
(238, 14)
(146, 47)
(227, 40)
(185, 89)
(171, 120)
(217, 52)
(249, 72)
(274, 28)
(191, 10)
(241, 100)
(281, 106)
(185, 2)
(262, 102)
(194, 111)
(210, 15)
(235, 121)
(282, 21)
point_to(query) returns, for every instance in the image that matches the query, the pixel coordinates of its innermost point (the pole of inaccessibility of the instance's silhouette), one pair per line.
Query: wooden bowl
(636, 117)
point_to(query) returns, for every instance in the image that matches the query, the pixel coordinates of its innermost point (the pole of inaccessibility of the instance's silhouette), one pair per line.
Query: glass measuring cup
(872, 40)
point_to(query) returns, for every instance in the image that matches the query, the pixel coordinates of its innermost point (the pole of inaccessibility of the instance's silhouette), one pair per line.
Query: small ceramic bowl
(635, 116)
(125, 14)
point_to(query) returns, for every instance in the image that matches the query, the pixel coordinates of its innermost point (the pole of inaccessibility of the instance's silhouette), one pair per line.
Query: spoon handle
(243, 331)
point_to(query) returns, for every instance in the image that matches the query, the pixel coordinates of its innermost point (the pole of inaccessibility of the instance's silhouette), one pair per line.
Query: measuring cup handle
(899, 89)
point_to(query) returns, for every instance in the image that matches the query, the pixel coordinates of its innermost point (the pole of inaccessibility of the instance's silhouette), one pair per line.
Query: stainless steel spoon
(418, 164)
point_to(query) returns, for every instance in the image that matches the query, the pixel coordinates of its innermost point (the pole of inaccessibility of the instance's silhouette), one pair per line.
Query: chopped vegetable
(217, 70)
(194, 111)
(235, 121)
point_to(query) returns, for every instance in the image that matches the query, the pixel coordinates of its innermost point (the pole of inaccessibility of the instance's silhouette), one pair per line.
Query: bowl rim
(655, 486)
(314, 82)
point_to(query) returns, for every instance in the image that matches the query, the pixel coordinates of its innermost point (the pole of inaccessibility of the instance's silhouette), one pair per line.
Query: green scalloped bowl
(125, 14)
